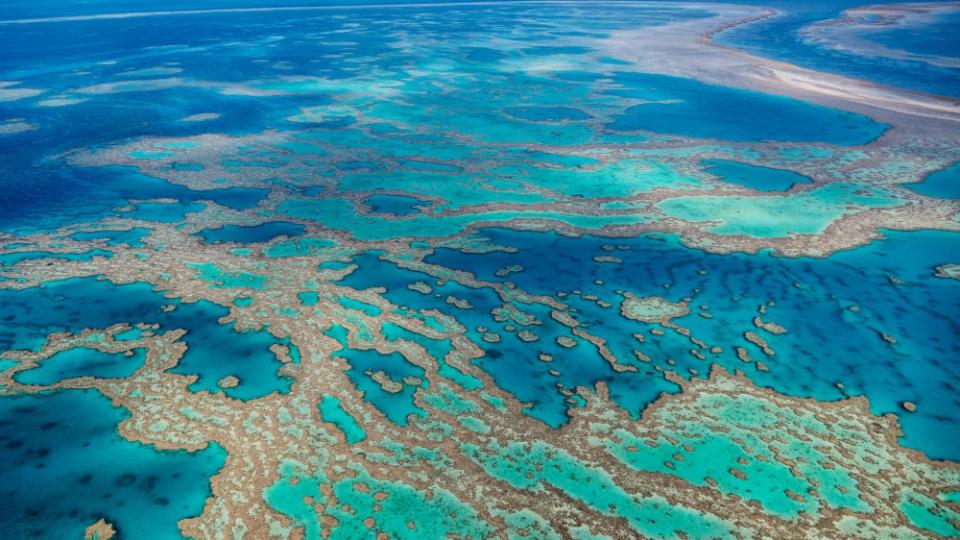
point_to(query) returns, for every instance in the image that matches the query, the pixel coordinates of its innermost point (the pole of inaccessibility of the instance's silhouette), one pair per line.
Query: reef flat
(481, 270)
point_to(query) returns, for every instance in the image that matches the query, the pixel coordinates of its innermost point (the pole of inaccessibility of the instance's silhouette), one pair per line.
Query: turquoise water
(548, 114)
(308, 298)
(288, 497)
(226, 279)
(398, 205)
(299, 246)
(332, 411)
(808, 212)
(250, 361)
(437, 348)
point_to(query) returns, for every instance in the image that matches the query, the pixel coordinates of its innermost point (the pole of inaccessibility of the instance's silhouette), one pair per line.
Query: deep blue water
(396, 406)
(63, 466)
(82, 362)
(754, 176)
(32, 199)
(943, 184)
(215, 350)
(942, 38)
(716, 112)
(131, 237)
(252, 234)
(10, 259)
(512, 363)
(163, 212)
(826, 343)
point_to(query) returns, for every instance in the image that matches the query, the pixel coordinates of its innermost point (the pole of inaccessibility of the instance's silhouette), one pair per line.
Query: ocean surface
(344, 271)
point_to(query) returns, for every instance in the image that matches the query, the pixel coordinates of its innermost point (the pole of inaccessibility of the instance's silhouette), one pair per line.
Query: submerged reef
(483, 271)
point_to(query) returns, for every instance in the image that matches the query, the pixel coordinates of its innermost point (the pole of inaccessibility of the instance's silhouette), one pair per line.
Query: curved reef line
(846, 32)
(669, 49)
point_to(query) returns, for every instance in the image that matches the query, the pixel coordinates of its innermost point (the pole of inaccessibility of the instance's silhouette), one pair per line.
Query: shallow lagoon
(754, 176)
(808, 212)
(398, 205)
(548, 114)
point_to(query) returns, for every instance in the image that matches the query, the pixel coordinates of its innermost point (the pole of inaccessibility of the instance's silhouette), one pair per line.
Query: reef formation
(476, 271)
